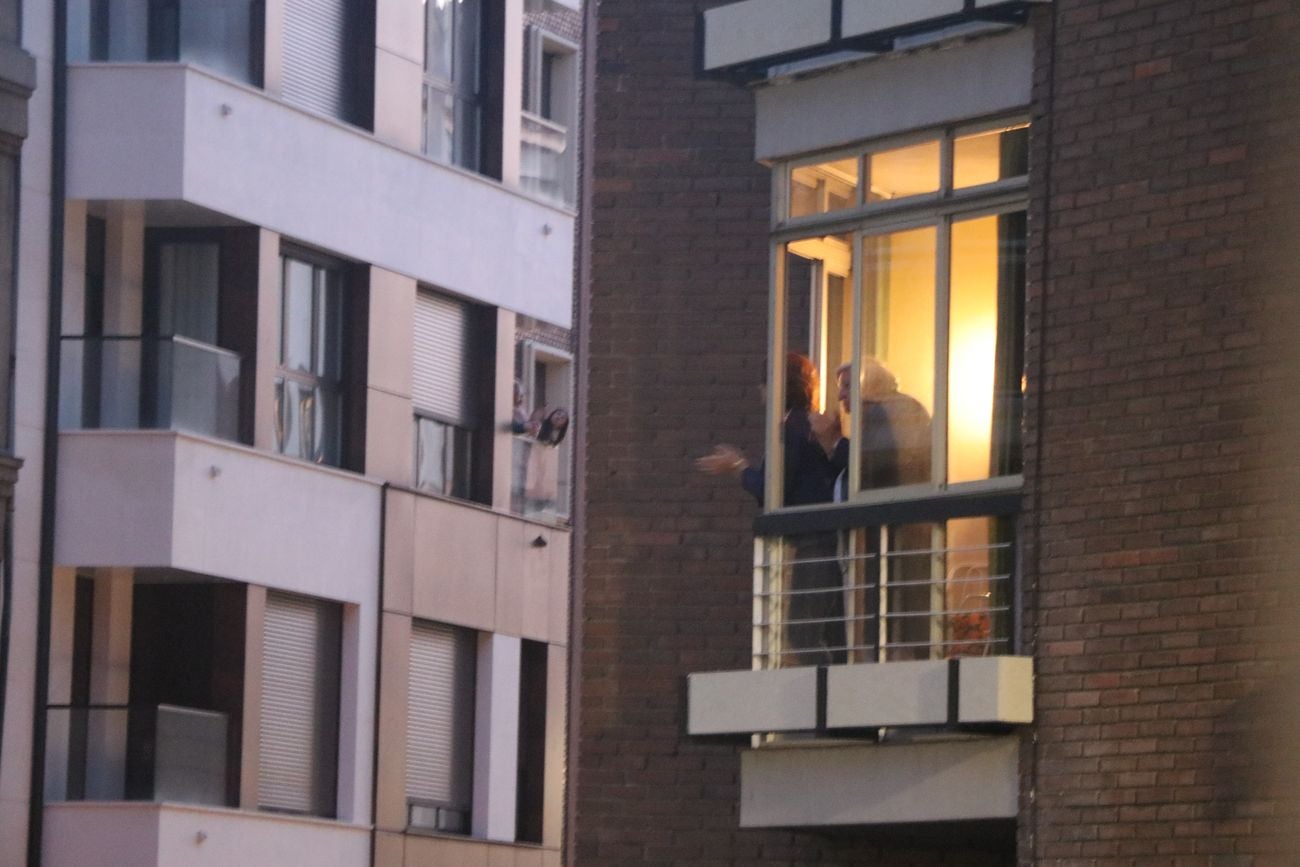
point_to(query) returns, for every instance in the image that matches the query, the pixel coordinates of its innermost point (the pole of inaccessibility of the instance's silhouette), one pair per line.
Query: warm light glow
(972, 347)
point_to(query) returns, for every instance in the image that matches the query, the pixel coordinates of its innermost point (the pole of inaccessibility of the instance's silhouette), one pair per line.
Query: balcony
(166, 499)
(884, 676)
(166, 133)
(148, 382)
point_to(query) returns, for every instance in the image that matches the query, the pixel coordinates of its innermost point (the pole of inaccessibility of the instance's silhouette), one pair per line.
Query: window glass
(296, 343)
(452, 103)
(825, 187)
(897, 379)
(439, 33)
(902, 172)
(985, 157)
(188, 279)
(984, 334)
(444, 458)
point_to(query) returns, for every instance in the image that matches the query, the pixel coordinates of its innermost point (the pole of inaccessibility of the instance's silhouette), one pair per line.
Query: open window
(548, 131)
(542, 480)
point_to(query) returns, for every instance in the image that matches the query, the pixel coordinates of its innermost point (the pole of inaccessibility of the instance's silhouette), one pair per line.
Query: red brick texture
(1162, 432)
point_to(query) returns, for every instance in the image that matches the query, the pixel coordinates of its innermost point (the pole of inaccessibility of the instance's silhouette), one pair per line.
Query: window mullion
(854, 470)
(773, 469)
(939, 424)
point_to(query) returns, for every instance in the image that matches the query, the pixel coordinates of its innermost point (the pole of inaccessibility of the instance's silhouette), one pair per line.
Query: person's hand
(724, 459)
(826, 428)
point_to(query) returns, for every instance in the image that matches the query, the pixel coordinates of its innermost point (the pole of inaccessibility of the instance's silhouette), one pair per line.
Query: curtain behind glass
(1009, 359)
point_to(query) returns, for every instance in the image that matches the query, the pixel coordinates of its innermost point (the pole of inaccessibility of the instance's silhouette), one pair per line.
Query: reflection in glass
(902, 172)
(990, 156)
(296, 342)
(443, 456)
(985, 355)
(823, 188)
(897, 382)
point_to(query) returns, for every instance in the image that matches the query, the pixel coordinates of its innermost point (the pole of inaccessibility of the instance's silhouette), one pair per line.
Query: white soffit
(895, 93)
(872, 16)
(739, 32)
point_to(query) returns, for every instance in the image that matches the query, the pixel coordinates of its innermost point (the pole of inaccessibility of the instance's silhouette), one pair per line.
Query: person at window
(814, 633)
(895, 451)
(542, 478)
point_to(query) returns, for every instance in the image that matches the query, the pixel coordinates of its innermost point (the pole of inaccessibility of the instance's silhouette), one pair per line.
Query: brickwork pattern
(677, 342)
(1162, 456)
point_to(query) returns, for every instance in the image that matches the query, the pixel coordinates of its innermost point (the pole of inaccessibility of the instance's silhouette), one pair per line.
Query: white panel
(739, 32)
(238, 152)
(496, 737)
(314, 36)
(887, 694)
(438, 385)
(996, 689)
(870, 16)
(876, 784)
(744, 702)
(895, 93)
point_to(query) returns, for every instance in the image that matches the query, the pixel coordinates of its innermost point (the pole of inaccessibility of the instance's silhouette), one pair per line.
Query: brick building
(1065, 228)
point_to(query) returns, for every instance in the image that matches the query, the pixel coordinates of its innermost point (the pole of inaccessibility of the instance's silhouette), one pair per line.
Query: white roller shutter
(440, 716)
(438, 385)
(315, 55)
(299, 722)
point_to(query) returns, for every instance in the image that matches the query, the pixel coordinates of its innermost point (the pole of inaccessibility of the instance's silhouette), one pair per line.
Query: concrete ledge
(821, 786)
(887, 694)
(744, 702)
(995, 689)
(754, 29)
(873, 16)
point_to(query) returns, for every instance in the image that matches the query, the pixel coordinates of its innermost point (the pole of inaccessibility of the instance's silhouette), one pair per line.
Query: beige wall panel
(399, 550)
(557, 677)
(399, 28)
(390, 437)
(455, 564)
(392, 311)
(996, 689)
(558, 614)
(390, 811)
(439, 851)
(390, 850)
(551, 858)
(399, 84)
(523, 580)
(503, 440)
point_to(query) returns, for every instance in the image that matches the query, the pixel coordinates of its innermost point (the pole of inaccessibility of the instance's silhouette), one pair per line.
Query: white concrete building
(289, 586)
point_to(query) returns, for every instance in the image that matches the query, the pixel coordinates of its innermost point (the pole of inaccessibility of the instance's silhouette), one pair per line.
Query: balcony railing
(937, 589)
(540, 479)
(128, 753)
(149, 382)
(221, 35)
(546, 165)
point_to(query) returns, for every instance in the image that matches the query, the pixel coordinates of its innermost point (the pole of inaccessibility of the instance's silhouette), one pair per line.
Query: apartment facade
(1030, 597)
(291, 544)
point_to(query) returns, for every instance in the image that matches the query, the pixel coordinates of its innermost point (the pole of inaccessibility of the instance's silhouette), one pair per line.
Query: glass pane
(439, 29)
(825, 187)
(807, 581)
(188, 278)
(985, 349)
(818, 336)
(307, 422)
(990, 156)
(200, 389)
(905, 171)
(326, 324)
(977, 596)
(216, 34)
(119, 395)
(439, 124)
(296, 329)
(465, 63)
(897, 382)
(433, 443)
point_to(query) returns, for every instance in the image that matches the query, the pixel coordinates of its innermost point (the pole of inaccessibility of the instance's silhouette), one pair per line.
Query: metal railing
(884, 593)
(149, 382)
(108, 752)
(224, 36)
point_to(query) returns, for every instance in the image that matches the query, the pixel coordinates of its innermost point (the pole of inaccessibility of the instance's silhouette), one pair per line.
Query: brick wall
(1163, 450)
(677, 341)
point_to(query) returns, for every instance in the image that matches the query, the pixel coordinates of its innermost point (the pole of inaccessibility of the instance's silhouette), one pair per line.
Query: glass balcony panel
(545, 161)
(153, 753)
(220, 35)
(179, 384)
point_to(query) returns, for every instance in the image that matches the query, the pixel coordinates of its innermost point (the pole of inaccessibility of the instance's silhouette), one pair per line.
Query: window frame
(939, 209)
(471, 93)
(334, 346)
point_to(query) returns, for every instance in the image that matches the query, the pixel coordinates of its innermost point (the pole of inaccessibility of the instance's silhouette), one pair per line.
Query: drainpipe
(50, 447)
(379, 671)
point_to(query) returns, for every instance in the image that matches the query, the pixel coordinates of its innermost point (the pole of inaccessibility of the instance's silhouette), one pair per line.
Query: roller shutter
(316, 56)
(440, 718)
(440, 374)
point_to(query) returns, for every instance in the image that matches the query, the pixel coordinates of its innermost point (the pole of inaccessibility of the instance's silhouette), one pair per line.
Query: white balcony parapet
(162, 499)
(741, 702)
(163, 132)
(748, 37)
(110, 834)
